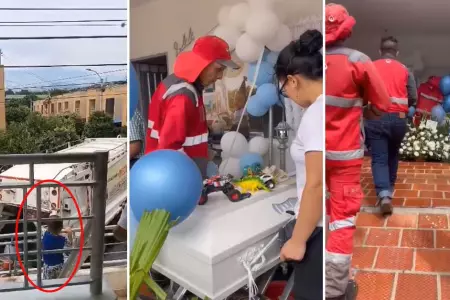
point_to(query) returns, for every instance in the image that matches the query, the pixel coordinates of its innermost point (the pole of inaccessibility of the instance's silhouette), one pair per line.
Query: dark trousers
(308, 274)
(384, 138)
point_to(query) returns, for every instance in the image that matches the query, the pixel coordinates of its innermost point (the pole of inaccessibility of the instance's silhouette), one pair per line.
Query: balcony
(96, 282)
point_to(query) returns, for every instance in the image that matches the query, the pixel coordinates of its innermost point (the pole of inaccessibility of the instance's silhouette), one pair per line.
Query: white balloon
(282, 12)
(281, 39)
(230, 166)
(225, 155)
(259, 145)
(262, 4)
(247, 49)
(240, 145)
(262, 25)
(224, 15)
(238, 15)
(228, 34)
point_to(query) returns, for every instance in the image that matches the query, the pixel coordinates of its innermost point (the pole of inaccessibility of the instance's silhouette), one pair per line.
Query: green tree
(16, 113)
(100, 125)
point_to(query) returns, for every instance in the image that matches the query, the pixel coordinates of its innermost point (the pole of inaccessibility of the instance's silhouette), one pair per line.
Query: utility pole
(101, 88)
(2, 95)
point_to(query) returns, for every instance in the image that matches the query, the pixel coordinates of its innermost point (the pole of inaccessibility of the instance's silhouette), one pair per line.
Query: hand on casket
(293, 251)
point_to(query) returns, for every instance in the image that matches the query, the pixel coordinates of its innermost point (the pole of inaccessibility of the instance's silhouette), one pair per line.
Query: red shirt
(177, 119)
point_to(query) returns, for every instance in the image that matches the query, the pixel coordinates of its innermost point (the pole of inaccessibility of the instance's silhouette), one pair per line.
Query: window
(109, 109)
(66, 106)
(91, 106)
(59, 107)
(77, 106)
(52, 108)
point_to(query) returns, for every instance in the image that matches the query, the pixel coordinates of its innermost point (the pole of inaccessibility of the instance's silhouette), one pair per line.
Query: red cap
(338, 23)
(206, 50)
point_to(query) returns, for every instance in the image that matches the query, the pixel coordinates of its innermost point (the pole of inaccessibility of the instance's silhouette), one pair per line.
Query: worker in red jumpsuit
(176, 116)
(353, 89)
(385, 136)
(429, 95)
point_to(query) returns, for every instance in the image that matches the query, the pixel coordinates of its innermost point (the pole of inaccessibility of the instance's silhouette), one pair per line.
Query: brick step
(374, 285)
(405, 256)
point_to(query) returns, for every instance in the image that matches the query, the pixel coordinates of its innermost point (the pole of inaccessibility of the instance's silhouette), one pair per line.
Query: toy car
(223, 184)
(268, 181)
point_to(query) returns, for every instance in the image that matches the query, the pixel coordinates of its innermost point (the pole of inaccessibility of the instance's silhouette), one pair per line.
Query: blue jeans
(384, 138)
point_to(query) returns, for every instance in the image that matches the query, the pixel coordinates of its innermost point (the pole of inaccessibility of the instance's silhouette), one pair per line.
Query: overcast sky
(45, 52)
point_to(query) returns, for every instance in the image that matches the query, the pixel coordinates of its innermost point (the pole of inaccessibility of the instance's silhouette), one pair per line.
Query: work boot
(386, 206)
(352, 290)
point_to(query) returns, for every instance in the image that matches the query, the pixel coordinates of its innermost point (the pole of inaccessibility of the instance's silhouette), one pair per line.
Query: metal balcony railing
(7, 239)
(96, 220)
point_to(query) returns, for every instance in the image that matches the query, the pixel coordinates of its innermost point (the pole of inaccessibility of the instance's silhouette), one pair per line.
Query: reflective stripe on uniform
(189, 141)
(343, 102)
(344, 155)
(430, 98)
(183, 85)
(401, 101)
(150, 124)
(337, 258)
(340, 224)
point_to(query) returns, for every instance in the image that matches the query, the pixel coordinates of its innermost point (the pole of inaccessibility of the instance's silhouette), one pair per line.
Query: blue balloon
(411, 111)
(271, 57)
(444, 85)
(446, 104)
(168, 180)
(134, 90)
(255, 108)
(438, 114)
(266, 73)
(249, 159)
(268, 94)
(212, 169)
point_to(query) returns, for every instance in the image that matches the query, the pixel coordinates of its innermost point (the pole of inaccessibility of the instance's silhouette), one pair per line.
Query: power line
(62, 25)
(61, 8)
(65, 66)
(62, 21)
(55, 85)
(77, 97)
(74, 37)
(74, 77)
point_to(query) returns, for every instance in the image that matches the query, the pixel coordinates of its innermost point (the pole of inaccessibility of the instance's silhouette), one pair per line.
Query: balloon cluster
(444, 86)
(252, 27)
(238, 154)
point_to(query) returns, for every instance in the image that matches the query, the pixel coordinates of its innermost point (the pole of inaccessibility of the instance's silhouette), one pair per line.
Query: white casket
(203, 254)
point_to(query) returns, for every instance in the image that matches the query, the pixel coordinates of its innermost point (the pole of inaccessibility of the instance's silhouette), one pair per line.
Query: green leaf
(150, 237)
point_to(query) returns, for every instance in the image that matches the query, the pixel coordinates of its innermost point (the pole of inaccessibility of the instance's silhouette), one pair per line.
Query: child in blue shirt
(52, 239)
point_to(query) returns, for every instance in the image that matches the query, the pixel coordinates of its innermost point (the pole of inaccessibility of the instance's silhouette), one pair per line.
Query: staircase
(406, 256)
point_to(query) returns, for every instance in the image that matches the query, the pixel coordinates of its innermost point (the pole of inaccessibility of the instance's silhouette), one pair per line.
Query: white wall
(156, 25)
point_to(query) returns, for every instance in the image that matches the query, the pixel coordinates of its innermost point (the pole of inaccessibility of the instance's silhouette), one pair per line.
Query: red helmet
(338, 23)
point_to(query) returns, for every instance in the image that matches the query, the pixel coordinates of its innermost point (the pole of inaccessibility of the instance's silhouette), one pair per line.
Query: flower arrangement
(425, 143)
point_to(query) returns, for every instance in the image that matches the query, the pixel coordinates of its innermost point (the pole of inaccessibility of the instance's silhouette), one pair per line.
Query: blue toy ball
(411, 111)
(438, 114)
(265, 75)
(446, 104)
(249, 159)
(134, 224)
(444, 85)
(134, 90)
(255, 108)
(165, 179)
(212, 169)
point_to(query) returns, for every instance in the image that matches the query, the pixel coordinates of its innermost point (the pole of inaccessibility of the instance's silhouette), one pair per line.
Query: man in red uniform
(177, 117)
(385, 136)
(429, 95)
(352, 83)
